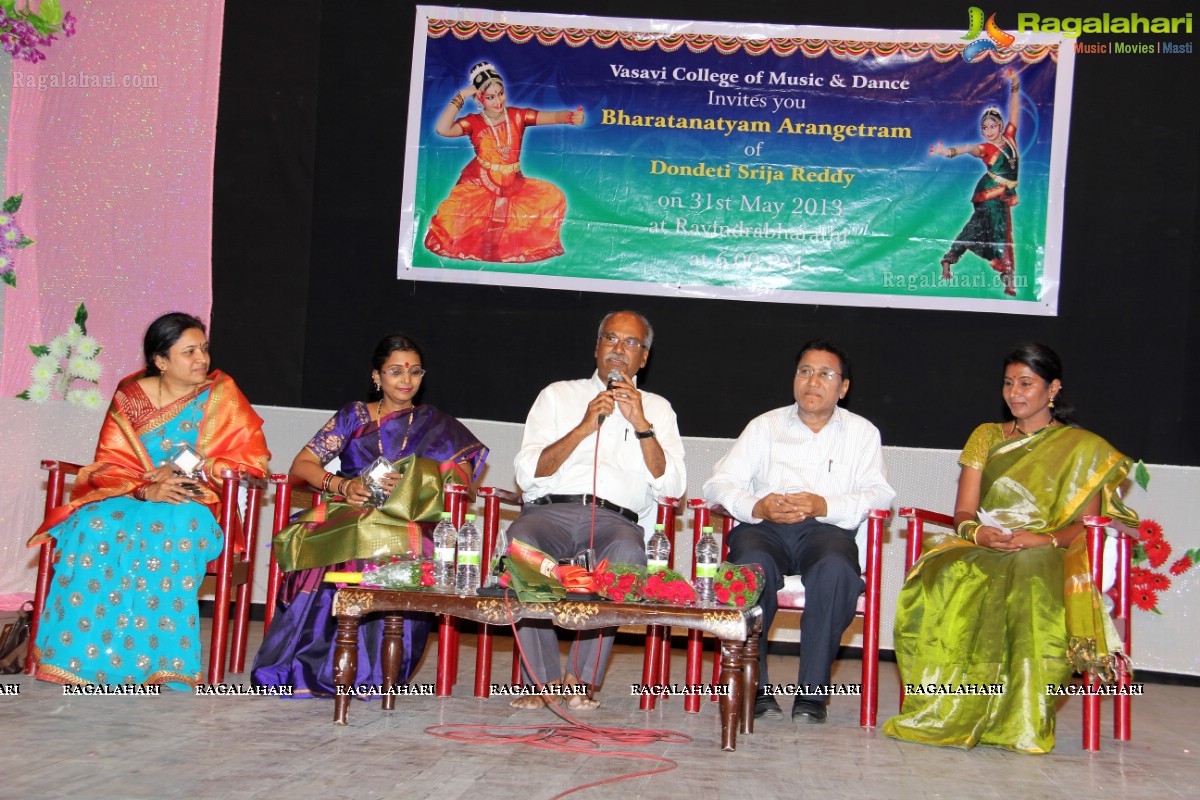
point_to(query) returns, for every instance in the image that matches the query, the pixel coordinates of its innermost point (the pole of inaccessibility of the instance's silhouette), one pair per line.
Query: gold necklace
(379, 422)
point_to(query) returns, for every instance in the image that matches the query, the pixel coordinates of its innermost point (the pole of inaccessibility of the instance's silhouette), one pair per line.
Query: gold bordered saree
(981, 634)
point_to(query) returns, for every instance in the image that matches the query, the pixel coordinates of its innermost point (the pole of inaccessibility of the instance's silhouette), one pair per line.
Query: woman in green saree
(1010, 603)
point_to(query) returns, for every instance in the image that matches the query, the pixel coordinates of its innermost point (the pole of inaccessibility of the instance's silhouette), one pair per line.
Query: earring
(377, 386)
(1052, 402)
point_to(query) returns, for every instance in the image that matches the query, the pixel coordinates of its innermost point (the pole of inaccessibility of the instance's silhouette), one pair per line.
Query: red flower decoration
(737, 587)
(1139, 577)
(740, 601)
(728, 574)
(1158, 582)
(1157, 551)
(1151, 531)
(723, 594)
(1145, 599)
(1181, 566)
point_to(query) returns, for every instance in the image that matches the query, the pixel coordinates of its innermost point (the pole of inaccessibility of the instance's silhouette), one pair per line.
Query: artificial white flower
(44, 369)
(90, 398)
(90, 370)
(76, 365)
(39, 393)
(59, 346)
(74, 333)
(87, 347)
(75, 396)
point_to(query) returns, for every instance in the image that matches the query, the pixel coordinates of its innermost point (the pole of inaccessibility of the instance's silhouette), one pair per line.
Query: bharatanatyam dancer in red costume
(495, 213)
(988, 233)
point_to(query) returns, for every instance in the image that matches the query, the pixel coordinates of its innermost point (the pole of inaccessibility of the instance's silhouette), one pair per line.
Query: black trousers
(826, 558)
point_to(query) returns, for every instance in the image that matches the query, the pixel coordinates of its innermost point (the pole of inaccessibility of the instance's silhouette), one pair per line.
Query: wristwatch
(646, 434)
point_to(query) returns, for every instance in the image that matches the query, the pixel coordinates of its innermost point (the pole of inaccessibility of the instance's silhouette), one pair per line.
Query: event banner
(912, 169)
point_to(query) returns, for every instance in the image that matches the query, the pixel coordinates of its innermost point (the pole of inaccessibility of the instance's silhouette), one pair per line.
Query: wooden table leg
(393, 649)
(731, 683)
(750, 669)
(345, 667)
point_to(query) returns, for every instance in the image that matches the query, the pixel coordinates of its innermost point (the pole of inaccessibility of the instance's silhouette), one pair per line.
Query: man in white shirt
(799, 481)
(596, 455)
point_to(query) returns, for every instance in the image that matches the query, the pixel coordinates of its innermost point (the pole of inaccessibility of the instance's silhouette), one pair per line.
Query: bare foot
(530, 702)
(580, 702)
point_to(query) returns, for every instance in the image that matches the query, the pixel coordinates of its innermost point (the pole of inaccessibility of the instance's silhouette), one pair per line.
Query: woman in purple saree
(298, 648)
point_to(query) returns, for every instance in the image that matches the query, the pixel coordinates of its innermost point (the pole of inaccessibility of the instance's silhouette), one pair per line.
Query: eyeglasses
(824, 373)
(396, 372)
(630, 343)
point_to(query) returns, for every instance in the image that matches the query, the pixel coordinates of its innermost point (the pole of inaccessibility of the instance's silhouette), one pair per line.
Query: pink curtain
(111, 143)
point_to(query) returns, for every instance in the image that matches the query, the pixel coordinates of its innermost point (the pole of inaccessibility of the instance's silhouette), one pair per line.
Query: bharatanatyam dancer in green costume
(985, 607)
(989, 233)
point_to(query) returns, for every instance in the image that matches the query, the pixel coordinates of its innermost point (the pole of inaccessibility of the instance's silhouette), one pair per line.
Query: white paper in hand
(988, 520)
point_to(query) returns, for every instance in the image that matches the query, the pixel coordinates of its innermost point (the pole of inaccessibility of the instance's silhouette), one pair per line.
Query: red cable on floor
(577, 737)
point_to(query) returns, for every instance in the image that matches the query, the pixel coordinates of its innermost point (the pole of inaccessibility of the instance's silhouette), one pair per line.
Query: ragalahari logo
(995, 38)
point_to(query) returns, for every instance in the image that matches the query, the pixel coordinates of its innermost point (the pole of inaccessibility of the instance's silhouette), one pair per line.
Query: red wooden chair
(239, 522)
(657, 644)
(1095, 529)
(456, 496)
(868, 606)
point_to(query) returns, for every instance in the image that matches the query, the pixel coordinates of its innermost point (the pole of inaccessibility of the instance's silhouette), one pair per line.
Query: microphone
(613, 376)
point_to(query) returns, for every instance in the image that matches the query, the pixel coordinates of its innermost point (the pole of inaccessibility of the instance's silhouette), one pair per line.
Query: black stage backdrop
(311, 129)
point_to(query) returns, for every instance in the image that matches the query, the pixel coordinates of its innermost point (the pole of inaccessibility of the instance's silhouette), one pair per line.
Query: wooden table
(736, 629)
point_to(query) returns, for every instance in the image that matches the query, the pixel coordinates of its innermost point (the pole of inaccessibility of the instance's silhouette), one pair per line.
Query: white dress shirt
(777, 452)
(621, 475)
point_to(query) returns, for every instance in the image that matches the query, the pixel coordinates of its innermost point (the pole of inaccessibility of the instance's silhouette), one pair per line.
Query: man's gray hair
(645, 323)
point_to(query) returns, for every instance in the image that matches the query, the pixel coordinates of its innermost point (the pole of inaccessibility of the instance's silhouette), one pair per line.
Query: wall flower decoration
(1150, 554)
(65, 366)
(25, 32)
(12, 239)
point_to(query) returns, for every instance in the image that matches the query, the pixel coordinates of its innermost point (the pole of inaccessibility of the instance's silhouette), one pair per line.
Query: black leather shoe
(810, 711)
(767, 706)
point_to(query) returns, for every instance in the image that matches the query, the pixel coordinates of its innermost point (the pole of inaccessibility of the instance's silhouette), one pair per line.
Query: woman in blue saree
(298, 649)
(1009, 601)
(135, 541)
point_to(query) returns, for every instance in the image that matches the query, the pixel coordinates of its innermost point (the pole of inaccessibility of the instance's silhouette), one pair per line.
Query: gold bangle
(953, 152)
(967, 530)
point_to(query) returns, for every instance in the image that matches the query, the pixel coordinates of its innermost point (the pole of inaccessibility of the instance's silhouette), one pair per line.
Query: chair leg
(220, 623)
(650, 665)
(45, 574)
(695, 662)
(241, 628)
(447, 642)
(483, 662)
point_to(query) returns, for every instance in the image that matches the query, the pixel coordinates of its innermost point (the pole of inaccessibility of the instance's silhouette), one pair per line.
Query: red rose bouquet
(738, 584)
(668, 586)
(621, 583)
(399, 572)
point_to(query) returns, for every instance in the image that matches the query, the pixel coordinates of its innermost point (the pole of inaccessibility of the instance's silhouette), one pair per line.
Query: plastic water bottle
(708, 559)
(658, 551)
(499, 550)
(444, 540)
(468, 557)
